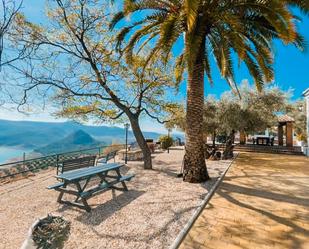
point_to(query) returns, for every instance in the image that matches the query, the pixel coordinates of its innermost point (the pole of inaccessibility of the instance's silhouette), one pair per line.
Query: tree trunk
(214, 139)
(141, 142)
(229, 146)
(242, 137)
(194, 160)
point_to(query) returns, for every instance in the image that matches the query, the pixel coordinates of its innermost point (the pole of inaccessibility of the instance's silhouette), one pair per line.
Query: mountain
(29, 134)
(77, 140)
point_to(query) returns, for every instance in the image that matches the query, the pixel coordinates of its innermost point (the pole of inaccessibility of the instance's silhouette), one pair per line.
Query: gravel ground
(149, 215)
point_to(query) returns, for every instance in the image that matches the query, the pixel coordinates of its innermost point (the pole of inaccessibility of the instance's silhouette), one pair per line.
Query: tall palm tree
(208, 29)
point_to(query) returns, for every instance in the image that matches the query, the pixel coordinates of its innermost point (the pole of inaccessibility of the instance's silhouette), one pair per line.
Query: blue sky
(291, 69)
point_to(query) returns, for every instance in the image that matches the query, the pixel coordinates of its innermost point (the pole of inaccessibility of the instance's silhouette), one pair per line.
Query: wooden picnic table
(264, 140)
(80, 178)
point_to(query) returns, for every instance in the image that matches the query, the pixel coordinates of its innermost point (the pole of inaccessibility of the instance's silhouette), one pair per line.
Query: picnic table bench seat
(56, 185)
(105, 186)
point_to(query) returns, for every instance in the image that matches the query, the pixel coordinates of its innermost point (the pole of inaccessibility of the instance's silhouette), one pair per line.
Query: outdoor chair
(104, 159)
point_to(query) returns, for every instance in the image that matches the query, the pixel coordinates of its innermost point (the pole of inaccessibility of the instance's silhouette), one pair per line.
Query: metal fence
(34, 165)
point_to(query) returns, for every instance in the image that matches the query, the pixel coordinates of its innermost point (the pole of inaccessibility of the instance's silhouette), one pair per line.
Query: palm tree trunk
(194, 160)
(140, 139)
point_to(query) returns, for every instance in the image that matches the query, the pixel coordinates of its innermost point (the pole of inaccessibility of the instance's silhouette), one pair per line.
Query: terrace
(149, 215)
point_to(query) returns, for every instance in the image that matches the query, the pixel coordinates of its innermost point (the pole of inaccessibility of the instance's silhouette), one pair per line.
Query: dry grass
(149, 215)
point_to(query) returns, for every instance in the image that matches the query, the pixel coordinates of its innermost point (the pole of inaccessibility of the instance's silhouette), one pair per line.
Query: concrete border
(183, 233)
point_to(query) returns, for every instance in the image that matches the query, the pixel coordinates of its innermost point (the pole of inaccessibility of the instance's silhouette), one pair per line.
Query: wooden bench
(104, 159)
(77, 163)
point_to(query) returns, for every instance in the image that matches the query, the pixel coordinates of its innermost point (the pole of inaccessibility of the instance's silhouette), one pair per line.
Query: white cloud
(10, 112)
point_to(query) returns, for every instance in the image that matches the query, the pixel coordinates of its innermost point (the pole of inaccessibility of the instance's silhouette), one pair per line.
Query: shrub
(51, 232)
(166, 142)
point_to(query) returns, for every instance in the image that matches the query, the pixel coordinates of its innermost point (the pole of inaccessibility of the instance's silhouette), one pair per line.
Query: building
(306, 95)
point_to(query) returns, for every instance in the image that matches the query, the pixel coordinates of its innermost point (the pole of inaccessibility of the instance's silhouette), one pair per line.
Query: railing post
(57, 163)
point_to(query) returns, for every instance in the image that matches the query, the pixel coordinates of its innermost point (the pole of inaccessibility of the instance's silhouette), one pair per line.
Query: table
(264, 140)
(76, 177)
(132, 155)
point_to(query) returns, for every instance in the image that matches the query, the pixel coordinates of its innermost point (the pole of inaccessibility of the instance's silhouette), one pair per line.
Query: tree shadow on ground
(147, 237)
(228, 187)
(103, 211)
(228, 191)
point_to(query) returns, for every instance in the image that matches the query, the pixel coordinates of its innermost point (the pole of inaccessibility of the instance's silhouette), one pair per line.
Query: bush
(51, 232)
(166, 142)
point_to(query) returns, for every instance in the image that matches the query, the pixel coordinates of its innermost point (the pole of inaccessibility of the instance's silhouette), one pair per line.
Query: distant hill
(78, 140)
(35, 135)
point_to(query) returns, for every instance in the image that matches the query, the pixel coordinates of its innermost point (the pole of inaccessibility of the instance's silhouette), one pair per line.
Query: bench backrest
(78, 163)
(111, 155)
(107, 157)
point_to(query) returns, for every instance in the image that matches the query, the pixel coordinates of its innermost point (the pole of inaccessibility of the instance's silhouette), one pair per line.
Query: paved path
(263, 202)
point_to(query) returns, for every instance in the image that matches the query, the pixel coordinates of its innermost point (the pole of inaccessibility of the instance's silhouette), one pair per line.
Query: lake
(7, 153)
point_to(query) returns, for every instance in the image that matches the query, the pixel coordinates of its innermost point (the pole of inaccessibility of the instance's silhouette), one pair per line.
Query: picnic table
(264, 140)
(80, 178)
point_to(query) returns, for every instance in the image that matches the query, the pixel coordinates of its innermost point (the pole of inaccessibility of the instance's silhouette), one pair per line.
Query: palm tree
(208, 29)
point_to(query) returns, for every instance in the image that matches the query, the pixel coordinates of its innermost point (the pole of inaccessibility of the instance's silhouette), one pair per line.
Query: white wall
(307, 98)
(307, 103)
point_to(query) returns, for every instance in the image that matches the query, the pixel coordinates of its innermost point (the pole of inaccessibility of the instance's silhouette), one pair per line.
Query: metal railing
(33, 165)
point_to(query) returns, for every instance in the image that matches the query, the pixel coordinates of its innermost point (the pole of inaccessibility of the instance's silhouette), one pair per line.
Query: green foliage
(297, 110)
(254, 112)
(166, 141)
(51, 232)
(176, 118)
(74, 59)
(247, 29)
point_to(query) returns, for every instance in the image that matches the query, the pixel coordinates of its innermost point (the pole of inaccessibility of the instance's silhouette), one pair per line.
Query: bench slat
(87, 172)
(57, 185)
(105, 186)
(78, 163)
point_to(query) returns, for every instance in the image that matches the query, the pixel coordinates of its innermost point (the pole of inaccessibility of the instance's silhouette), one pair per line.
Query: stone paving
(263, 202)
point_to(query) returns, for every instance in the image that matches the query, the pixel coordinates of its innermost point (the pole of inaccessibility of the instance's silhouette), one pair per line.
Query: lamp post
(126, 126)
(168, 134)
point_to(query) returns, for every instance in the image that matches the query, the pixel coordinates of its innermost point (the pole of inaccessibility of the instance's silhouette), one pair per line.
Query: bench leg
(123, 183)
(60, 197)
(87, 207)
(82, 189)
(102, 178)
(84, 201)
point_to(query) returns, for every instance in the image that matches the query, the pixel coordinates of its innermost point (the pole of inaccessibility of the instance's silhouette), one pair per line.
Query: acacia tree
(73, 60)
(8, 11)
(206, 29)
